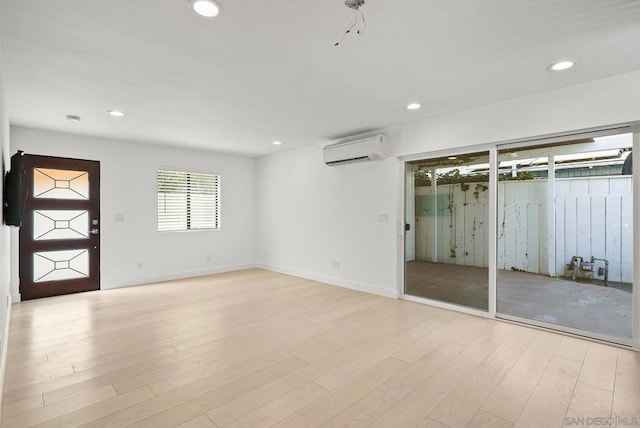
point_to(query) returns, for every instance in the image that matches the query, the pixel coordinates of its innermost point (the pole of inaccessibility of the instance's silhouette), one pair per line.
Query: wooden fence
(591, 217)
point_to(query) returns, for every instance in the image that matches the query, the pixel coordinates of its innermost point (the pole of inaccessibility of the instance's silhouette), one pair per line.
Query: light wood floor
(259, 349)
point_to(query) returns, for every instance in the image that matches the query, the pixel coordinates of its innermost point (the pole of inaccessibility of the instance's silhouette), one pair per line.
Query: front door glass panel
(60, 265)
(60, 184)
(60, 224)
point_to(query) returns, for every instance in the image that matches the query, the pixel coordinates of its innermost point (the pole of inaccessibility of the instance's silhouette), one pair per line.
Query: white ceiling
(268, 70)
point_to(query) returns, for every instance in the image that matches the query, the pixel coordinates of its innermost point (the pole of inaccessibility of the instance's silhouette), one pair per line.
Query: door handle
(95, 230)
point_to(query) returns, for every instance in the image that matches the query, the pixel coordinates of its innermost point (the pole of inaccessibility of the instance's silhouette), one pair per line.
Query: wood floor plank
(475, 326)
(201, 421)
(99, 410)
(74, 389)
(588, 402)
(440, 335)
(23, 406)
(382, 399)
(462, 404)
(430, 423)
(255, 348)
(485, 344)
(183, 404)
(628, 371)
(336, 401)
(484, 419)
(218, 372)
(573, 348)
(80, 380)
(549, 402)
(27, 362)
(136, 353)
(42, 414)
(245, 404)
(15, 381)
(626, 408)
(354, 368)
(417, 405)
(626, 395)
(509, 398)
(599, 367)
(281, 408)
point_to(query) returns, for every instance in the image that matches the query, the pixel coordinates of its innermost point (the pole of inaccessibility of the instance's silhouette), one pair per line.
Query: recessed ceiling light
(73, 118)
(561, 65)
(452, 157)
(277, 143)
(205, 8)
(413, 106)
(116, 113)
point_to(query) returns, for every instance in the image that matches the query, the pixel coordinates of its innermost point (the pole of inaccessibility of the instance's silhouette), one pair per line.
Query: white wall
(310, 214)
(4, 230)
(128, 189)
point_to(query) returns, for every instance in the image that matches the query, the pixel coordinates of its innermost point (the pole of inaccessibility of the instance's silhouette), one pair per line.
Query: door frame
(53, 288)
(493, 148)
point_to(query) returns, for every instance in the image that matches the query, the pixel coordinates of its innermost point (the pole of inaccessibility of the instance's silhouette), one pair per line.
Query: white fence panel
(626, 247)
(597, 223)
(613, 238)
(593, 217)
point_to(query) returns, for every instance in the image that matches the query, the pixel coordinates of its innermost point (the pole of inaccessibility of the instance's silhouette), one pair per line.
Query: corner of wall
(5, 308)
(353, 285)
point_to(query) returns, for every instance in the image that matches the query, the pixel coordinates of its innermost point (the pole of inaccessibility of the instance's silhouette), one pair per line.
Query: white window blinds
(188, 200)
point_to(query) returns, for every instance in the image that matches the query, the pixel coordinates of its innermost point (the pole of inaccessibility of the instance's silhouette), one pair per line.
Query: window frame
(205, 179)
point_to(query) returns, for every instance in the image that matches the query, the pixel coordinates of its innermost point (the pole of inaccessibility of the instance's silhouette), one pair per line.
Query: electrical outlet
(139, 265)
(335, 265)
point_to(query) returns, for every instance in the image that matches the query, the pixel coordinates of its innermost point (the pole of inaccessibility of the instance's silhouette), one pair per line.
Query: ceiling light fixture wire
(357, 17)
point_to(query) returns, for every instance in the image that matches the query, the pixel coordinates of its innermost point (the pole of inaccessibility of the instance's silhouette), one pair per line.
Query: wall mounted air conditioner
(356, 151)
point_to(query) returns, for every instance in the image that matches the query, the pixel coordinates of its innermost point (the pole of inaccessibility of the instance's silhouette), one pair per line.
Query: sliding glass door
(447, 229)
(548, 241)
(565, 235)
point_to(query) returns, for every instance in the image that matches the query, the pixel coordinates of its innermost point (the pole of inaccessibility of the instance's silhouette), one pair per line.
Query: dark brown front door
(59, 236)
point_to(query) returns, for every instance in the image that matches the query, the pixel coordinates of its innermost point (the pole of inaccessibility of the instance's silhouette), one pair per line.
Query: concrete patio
(589, 307)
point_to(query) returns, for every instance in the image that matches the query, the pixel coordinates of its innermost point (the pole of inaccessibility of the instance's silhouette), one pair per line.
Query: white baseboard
(353, 285)
(108, 285)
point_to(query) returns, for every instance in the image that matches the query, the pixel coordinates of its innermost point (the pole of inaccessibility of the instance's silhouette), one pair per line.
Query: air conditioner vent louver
(359, 158)
(356, 151)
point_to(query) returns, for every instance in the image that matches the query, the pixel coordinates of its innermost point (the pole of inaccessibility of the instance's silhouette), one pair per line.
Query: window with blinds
(188, 201)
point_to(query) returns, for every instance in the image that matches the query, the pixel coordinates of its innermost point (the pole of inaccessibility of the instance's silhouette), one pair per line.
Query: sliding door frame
(402, 166)
(493, 149)
(635, 295)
